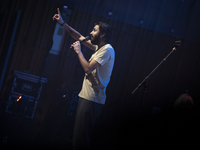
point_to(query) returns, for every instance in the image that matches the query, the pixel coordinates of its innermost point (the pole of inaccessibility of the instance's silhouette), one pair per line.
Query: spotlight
(18, 104)
(20, 97)
(65, 7)
(110, 13)
(141, 21)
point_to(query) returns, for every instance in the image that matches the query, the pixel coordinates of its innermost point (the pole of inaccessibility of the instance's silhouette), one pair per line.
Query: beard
(95, 40)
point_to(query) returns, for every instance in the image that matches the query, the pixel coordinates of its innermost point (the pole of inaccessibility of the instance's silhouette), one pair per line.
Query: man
(97, 76)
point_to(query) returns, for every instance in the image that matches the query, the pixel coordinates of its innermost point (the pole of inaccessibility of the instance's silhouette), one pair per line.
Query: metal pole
(10, 47)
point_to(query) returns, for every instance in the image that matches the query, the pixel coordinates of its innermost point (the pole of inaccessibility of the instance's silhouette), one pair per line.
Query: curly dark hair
(104, 28)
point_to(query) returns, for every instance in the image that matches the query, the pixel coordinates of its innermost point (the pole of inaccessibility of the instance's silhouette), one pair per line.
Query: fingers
(77, 47)
(58, 11)
(56, 16)
(77, 43)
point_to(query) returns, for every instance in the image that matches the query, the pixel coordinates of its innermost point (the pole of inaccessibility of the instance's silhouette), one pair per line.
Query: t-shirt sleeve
(102, 56)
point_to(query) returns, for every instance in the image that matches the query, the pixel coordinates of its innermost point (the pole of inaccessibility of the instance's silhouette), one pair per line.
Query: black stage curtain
(138, 52)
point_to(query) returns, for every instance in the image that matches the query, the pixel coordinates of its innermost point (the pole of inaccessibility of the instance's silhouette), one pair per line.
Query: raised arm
(75, 34)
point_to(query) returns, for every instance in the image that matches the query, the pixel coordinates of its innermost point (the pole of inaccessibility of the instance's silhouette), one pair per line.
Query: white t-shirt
(95, 83)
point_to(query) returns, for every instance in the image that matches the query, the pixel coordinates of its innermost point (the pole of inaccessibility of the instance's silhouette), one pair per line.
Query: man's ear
(102, 35)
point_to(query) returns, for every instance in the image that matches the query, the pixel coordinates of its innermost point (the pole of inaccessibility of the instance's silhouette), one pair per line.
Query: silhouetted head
(184, 101)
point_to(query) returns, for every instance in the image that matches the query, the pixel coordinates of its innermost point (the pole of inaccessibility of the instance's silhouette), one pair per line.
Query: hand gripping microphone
(86, 39)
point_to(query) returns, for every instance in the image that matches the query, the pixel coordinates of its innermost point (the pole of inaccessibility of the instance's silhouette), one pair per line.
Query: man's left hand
(77, 47)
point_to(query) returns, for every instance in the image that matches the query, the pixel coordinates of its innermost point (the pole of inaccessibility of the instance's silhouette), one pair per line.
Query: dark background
(144, 32)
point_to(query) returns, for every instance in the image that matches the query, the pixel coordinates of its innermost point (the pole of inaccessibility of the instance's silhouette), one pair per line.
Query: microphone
(86, 39)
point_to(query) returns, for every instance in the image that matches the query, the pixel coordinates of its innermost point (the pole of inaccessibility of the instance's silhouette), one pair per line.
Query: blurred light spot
(110, 13)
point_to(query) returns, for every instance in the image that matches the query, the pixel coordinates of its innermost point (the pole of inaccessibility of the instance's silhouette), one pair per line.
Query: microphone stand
(145, 83)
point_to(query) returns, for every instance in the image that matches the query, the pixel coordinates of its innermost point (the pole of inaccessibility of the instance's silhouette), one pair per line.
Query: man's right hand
(58, 17)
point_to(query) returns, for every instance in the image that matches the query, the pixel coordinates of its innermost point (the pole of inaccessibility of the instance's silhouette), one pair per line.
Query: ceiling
(178, 18)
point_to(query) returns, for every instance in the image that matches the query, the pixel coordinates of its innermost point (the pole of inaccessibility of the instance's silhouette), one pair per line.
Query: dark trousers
(87, 114)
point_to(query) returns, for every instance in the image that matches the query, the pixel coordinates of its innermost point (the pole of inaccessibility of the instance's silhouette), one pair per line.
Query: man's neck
(101, 44)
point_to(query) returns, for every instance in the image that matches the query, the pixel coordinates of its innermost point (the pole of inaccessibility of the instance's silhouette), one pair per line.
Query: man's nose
(91, 32)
